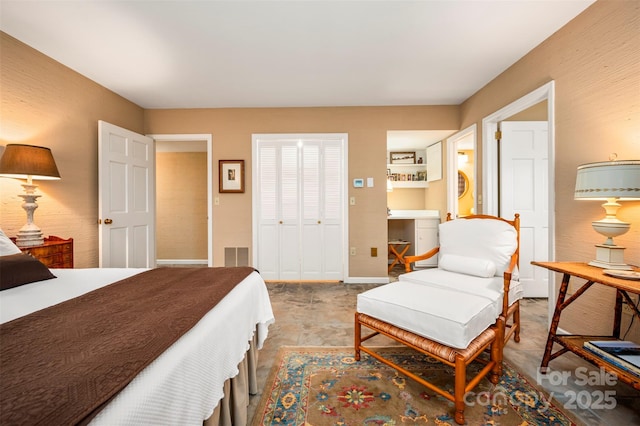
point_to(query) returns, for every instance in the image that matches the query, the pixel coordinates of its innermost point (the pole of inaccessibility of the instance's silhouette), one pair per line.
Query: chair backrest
(479, 245)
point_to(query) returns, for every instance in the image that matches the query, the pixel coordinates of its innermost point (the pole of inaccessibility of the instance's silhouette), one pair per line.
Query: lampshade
(24, 161)
(612, 181)
(28, 162)
(608, 179)
(462, 158)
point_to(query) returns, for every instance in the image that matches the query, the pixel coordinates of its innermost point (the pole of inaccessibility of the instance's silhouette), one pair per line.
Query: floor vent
(236, 256)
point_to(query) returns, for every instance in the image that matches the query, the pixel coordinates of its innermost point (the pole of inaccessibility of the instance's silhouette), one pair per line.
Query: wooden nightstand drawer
(54, 253)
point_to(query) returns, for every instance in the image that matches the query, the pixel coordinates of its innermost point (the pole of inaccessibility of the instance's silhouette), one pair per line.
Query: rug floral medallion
(327, 386)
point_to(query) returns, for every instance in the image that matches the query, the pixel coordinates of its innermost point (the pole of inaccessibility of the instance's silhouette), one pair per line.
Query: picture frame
(231, 176)
(358, 183)
(402, 157)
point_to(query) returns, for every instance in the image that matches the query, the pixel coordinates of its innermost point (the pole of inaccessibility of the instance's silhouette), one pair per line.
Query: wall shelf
(412, 175)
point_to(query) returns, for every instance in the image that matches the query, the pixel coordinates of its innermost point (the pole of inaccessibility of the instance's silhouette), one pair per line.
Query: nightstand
(54, 253)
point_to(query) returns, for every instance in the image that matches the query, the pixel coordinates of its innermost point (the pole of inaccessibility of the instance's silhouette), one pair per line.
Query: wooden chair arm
(507, 283)
(408, 260)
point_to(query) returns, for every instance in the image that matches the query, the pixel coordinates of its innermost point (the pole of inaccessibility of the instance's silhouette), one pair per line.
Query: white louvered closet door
(300, 209)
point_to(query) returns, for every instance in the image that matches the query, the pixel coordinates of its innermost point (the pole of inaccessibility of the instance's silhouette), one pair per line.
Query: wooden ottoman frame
(459, 359)
(493, 339)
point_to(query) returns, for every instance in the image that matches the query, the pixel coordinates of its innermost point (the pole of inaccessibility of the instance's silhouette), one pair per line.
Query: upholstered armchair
(456, 311)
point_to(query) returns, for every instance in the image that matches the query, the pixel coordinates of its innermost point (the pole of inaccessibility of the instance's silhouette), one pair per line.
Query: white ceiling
(199, 54)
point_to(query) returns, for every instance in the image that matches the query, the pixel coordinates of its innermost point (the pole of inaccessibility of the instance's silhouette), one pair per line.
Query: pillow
(467, 265)
(7, 246)
(490, 239)
(19, 269)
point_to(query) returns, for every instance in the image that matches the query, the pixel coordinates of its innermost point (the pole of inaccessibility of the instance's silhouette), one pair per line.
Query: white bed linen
(185, 383)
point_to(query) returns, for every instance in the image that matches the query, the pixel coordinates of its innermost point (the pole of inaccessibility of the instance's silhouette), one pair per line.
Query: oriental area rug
(327, 386)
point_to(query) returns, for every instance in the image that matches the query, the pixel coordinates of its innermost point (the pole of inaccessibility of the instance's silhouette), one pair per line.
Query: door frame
(345, 204)
(490, 164)
(452, 168)
(208, 139)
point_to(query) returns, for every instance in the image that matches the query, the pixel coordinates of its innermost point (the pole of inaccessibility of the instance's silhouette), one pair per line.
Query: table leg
(554, 323)
(617, 316)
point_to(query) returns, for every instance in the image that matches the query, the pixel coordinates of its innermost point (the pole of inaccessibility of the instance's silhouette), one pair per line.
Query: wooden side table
(54, 253)
(398, 256)
(573, 342)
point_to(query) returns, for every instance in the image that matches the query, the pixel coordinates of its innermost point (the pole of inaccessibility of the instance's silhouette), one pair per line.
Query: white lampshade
(612, 181)
(608, 179)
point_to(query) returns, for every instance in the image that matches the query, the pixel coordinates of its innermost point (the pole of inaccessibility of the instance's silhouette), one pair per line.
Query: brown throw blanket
(62, 364)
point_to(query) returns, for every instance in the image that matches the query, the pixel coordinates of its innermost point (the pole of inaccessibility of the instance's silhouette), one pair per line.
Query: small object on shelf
(621, 353)
(420, 160)
(625, 275)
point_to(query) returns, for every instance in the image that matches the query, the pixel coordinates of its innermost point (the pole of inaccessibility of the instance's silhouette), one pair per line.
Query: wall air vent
(236, 256)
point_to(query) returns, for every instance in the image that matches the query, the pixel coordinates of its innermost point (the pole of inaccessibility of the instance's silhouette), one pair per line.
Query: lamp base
(29, 238)
(610, 257)
(30, 234)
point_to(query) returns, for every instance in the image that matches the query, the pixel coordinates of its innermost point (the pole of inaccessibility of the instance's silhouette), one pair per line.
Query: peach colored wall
(181, 207)
(595, 62)
(367, 129)
(538, 112)
(45, 103)
(407, 199)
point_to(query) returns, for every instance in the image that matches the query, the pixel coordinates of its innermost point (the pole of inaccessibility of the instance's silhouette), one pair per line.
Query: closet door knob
(108, 221)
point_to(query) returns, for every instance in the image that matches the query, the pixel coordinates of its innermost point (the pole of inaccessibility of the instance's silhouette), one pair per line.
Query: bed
(193, 380)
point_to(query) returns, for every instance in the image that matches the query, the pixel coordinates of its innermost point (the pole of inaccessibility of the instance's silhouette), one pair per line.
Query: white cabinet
(426, 237)
(419, 229)
(407, 169)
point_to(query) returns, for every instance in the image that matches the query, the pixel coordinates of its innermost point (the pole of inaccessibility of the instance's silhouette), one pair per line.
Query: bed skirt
(232, 410)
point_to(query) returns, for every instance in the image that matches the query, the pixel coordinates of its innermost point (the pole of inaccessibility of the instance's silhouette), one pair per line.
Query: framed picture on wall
(231, 175)
(402, 157)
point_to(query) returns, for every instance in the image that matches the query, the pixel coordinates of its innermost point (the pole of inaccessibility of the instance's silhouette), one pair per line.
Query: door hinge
(498, 135)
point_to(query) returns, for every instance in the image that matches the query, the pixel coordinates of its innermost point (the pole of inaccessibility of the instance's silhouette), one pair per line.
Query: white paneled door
(299, 206)
(524, 163)
(126, 198)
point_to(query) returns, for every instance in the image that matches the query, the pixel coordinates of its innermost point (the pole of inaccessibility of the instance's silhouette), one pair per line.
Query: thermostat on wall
(358, 183)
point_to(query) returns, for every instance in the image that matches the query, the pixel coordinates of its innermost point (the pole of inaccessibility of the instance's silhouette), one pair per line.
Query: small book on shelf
(621, 353)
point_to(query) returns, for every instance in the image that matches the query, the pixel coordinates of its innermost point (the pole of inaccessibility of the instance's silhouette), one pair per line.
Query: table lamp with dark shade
(28, 162)
(612, 181)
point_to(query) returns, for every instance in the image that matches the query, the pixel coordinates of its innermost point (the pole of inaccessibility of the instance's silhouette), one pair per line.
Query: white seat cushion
(491, 287)
(450, 317)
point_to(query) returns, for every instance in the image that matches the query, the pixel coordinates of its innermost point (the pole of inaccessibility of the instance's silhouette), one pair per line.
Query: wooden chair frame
(511, 312)
(492, 339)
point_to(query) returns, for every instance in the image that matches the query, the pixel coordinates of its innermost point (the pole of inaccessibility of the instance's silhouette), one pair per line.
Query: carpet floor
(327, 386)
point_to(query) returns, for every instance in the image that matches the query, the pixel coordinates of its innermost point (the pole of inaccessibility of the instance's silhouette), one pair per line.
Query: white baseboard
(366, 280)
(181, 261)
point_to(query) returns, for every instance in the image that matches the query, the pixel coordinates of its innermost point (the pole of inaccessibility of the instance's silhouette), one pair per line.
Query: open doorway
(461, 172)
(491, 167)
(183, 192)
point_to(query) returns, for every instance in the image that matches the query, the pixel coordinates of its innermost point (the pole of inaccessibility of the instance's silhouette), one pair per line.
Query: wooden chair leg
(358, 336)
(460, 380)
(516, 322)
(496, 351)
